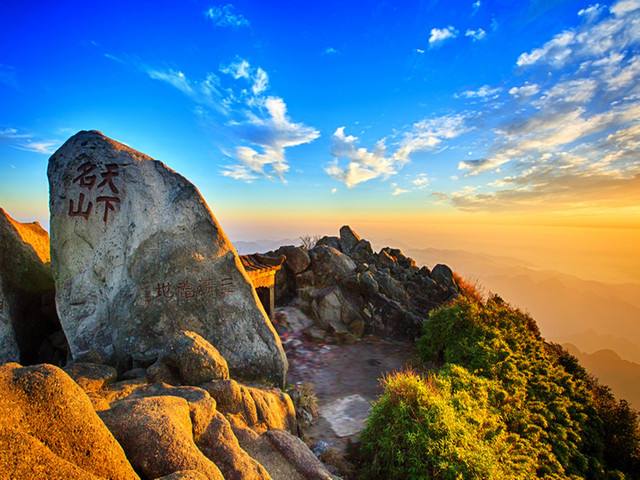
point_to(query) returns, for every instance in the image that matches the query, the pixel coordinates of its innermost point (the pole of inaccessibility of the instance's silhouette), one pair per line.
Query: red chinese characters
(86, 179)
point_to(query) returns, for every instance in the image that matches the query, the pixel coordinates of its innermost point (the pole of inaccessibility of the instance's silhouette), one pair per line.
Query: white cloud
(484, 92)
(439, 35)
(579, 91)
(591, 12)
(205, 92)
(363, 165)
(555, 51)
(526, 90)
(477, 34)
(397, 190)
(421, 181)
(27, 141)
(260, 82)
(419, 50)
(239, 68)
(623, 7)
(239, 172)
(428, 134)
(330, 51)
(258, 124)
(44, 147)
(271, 132)
(475, 6)
(225, 16)
(592, 39)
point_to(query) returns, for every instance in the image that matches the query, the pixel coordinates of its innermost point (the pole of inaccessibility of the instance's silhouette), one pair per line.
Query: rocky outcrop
(138, 256)
(157, 435)
(259, 408)
(91, 377)
(348, 289)
(189, 360)
(27, 311)
(218, 442)
(48, 429)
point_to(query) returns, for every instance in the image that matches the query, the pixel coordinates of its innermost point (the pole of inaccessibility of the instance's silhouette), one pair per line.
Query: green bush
(503, 404)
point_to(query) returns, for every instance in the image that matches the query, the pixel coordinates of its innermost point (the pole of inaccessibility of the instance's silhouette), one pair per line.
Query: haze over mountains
(600, 321)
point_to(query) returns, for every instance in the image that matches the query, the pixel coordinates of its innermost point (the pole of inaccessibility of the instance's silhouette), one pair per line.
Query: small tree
(309, 241)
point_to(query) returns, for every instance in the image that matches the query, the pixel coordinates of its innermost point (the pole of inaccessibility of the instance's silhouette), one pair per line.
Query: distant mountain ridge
(590, 314)
(607, 366)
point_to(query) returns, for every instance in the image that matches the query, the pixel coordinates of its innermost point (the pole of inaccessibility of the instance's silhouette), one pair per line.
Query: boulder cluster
(188, 420)
(349, 290)
(126, 353)
(139, 348)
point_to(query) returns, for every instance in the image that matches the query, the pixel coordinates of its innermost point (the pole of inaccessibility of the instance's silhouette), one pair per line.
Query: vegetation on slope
(503, 404)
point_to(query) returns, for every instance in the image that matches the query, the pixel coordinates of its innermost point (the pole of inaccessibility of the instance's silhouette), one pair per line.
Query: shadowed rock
(27, 313)
(137, 255)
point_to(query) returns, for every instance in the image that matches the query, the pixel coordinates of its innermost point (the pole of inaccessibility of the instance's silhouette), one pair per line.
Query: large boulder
(258, 408)
(191, 360)
(137, 255)
(220, 444)
(157, 434)
(27, 313)
(49, 430)
(348, 239)
(329, 265)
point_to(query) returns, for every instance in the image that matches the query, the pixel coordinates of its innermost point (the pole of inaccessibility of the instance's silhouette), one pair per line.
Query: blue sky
(442, 106)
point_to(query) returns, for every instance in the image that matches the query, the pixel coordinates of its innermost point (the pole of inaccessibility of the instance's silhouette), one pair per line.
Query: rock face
(27, 313)
(137, 255)
(348, 289)
(156, 433)
(191, 360)
(48, 429)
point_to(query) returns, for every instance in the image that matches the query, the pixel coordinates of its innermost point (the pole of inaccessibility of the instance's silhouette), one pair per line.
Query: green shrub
(502, 404)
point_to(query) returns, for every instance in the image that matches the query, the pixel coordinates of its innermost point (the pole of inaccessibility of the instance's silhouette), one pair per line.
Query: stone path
(345, 379)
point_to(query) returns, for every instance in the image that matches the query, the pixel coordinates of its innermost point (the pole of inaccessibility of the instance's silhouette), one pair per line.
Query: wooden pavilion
(262, 270)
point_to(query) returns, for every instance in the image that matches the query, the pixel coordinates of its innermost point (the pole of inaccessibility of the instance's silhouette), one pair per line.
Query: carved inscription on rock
(186, 290)
(106, 196)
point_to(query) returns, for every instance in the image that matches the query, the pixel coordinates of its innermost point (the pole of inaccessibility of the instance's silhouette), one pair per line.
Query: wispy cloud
(591, 12)
(27, 141)
(257, 123)
(421, 181)
(353, 165)
(226, 16)
(440, 35)
(484, 92)
(397, 190)
(617, 31)
(578, 143)
(205, 92)
(477, 34)
(330, 51)
(475, 6)
(526, 90)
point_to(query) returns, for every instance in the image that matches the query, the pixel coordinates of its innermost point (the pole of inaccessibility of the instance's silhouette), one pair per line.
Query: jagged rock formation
(29, 328)
(348, 289)
(137, 256)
